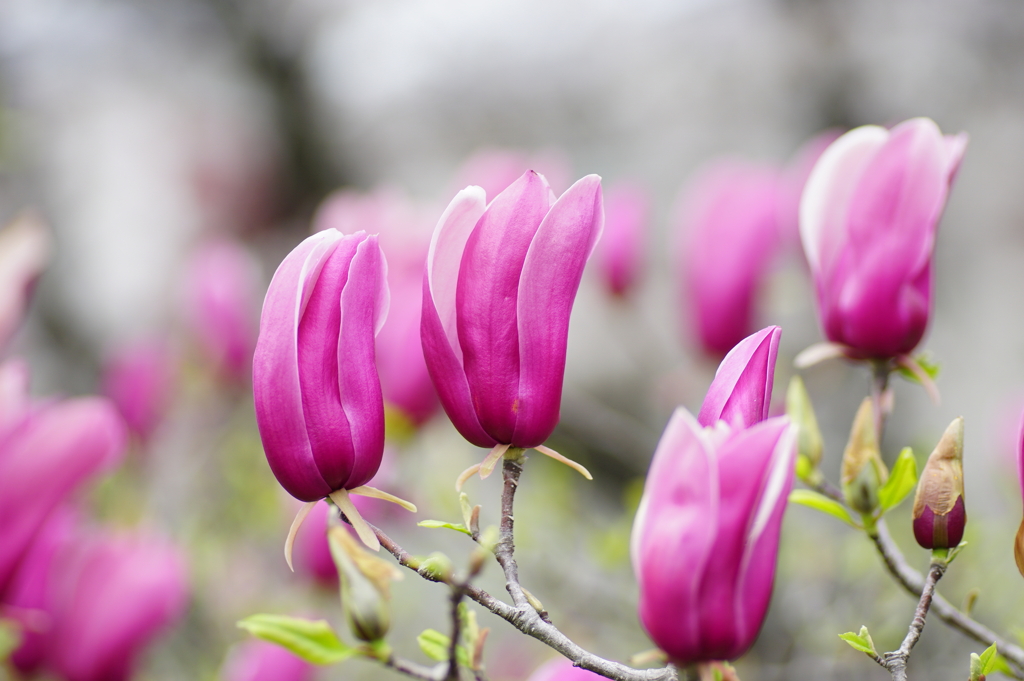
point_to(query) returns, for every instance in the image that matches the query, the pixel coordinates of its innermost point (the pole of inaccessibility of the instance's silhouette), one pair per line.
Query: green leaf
(991, 661)
(10, 638)
(901, 482)
(312, 640)
(435, 645)
(859, 642)
(822, 503)
(433, 524)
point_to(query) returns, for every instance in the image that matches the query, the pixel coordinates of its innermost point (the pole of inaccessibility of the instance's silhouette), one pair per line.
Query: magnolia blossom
(499, 286)
(50, 450)
(868, 219)
(139, 377)
(706, 534)
(222, 284)
(620, 253)
(729, 236)
(318, 400)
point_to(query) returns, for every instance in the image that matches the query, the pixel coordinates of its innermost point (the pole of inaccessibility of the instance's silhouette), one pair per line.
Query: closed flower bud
(500, 281)
(222, 297)
(801, 412)
(1018, 545)
(318, 399)
(868, 219)
(939, 514)
(620, 253)
(729, 236)
(46, 456)
(365, 585)
(863, 473)
(706, 535)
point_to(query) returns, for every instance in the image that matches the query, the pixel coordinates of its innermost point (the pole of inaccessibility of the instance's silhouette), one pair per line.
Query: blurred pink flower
(25, 246)
(140, 379)
(111, 597)
(222, 289)
(258, 660)
(619, 256)
(729, 235)
(868, 219)
(53, 448)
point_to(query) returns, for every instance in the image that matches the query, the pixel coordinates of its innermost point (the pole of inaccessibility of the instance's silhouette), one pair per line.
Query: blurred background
(165, 141)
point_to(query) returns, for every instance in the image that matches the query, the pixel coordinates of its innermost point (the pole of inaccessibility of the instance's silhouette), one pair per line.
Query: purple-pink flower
(706, 535)
(318, 399)
(112, 596)
(222, 283)
(868, 219)
(139, 377)
(620, 253)
(498, 289)
(729, 236)
(50, 450)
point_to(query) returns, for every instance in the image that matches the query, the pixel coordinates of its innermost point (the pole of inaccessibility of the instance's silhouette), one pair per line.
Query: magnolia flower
(318, 400)
(499, 286)
(868, 218)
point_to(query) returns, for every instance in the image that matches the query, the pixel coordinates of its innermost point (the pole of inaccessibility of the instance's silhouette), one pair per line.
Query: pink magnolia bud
(868, 218)
(139, 378)
(706, 535)
(730, 235)
(741, 393)
(318, 400)
(498, 289)
(52, 450)
(404, 238)
(112, 596)
(562, 670)
(257, 660)
(222, 284)
(620, 253)
(24, 251)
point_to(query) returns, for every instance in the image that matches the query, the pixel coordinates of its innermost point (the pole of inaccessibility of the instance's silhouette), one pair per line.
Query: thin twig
(896, 661)
(505, 549)
(528, 621)
(914, 582)
(414, 670)
(458, 593)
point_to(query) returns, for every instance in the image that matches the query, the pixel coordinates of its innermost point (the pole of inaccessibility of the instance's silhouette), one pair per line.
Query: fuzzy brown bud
(939, 513)
(863, 473)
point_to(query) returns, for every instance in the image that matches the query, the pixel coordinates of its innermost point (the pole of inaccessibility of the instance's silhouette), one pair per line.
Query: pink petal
(364, 303)
(741, 393)
(550, 278)
(277, 392)
(488, 288)
(673, 536)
